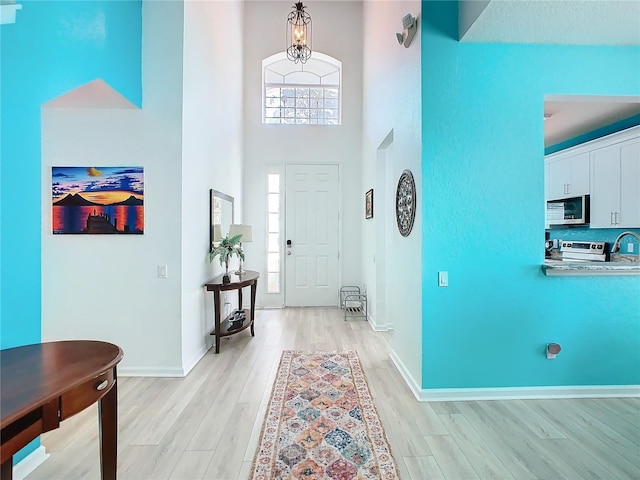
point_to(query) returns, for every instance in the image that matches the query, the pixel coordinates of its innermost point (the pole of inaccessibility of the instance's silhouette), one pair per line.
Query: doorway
(311, 235)
(384, 227)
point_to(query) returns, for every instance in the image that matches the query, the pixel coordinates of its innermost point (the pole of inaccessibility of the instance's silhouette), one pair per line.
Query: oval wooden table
(45, 383)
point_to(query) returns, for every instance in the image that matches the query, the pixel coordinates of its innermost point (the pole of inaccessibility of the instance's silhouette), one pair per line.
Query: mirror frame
(213, 194)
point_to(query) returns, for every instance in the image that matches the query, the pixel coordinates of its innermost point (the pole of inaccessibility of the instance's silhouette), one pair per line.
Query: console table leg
(6, 471)
(216, 313)
(108, 412)
(254, 287)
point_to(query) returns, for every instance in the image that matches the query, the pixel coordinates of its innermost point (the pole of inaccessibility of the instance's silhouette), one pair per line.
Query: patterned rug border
(358, 374)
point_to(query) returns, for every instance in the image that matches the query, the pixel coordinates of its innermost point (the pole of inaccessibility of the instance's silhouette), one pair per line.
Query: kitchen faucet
(616, 244)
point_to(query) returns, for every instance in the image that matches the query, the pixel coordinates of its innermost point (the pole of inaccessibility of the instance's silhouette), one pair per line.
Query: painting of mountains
(97, 200)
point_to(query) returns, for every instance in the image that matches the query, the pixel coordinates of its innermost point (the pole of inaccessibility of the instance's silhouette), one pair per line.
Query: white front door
(311, 235)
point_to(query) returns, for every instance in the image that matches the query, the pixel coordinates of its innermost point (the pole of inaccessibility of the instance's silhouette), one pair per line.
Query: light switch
(443, 279)
(162, 271)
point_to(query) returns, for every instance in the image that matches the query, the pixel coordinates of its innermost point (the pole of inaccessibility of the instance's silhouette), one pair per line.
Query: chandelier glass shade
(298, 34)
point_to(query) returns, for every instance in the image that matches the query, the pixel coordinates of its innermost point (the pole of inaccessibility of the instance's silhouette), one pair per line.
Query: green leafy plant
(227, 248)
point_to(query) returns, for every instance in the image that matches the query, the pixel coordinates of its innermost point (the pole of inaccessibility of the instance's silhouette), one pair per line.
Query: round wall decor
(406, 203)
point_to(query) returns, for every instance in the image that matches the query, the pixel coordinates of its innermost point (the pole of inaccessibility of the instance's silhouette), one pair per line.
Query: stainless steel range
(584, 251)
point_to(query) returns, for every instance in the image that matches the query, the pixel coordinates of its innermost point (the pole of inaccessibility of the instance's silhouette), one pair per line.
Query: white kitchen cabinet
(546, 182)
(568, 175)
(615, 185)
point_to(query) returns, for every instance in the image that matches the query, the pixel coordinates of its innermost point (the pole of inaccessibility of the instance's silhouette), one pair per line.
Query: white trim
(511, 393)
(317, 57)
(150, 372)
(611, 139)
(340, 215)
(378, 328)
(195, 359)
(29, 463)
(165, 372)
(515, 393)
(411, 382)
(8, 13)
(281, 245)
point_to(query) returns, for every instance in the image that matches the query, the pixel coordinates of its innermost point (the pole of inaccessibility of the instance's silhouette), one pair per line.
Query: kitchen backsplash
(597, 235)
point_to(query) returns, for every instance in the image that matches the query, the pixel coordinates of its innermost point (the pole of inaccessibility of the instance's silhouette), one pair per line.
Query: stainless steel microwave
(568, 211)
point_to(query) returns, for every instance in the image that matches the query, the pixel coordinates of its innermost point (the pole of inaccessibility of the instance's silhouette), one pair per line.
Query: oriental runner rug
(321, 423)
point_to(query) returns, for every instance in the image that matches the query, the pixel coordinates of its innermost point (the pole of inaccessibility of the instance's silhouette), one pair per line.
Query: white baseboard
(378, 328)
(29, 463)
(511, 393)
(411, 382)
(523, 393)
(150, 372)
(195, 359)
(164, 372)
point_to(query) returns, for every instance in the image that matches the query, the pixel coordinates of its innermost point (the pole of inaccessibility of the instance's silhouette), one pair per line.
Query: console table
(223, 328)
(46, 383)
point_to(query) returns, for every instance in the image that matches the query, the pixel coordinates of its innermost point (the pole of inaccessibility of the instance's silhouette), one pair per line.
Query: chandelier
(299, 34)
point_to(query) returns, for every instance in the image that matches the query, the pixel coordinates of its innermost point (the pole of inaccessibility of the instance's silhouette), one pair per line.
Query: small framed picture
(368, 204)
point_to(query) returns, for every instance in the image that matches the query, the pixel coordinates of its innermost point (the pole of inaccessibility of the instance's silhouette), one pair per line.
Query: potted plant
(227, 248)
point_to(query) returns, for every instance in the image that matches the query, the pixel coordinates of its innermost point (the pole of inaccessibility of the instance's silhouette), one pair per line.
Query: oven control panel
(584, 251)
(583, 247)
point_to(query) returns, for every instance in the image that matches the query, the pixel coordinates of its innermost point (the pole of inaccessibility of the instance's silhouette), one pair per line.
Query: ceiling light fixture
(299, 34)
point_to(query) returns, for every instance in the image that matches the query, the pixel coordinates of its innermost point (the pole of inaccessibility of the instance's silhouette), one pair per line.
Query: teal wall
(483, 218)
(54, 47)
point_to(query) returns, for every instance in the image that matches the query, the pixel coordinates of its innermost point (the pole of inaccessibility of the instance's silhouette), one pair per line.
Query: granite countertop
(619, 265)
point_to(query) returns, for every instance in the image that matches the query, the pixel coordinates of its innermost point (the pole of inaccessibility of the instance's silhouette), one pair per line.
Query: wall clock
(406, 203)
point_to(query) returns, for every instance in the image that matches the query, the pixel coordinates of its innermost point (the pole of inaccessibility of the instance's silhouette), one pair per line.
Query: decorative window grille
(273, 233)
(301, 94)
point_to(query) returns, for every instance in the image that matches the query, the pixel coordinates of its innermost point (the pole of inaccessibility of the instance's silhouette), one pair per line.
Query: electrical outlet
(630, 247)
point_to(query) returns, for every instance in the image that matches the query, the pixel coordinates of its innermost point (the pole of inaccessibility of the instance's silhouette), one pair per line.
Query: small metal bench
(353, 302)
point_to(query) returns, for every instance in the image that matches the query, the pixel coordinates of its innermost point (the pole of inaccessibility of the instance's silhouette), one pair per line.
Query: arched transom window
(301, 94)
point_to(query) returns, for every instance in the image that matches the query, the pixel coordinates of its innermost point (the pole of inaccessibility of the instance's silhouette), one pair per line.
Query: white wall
(106, 287)
(391, 144)
(337, 31)
(211, 152)
(163, 324)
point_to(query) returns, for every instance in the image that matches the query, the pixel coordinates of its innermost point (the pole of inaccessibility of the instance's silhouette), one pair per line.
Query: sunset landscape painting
(98, 200)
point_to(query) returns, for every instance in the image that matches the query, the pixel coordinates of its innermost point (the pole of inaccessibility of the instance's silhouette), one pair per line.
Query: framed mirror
(221, 216)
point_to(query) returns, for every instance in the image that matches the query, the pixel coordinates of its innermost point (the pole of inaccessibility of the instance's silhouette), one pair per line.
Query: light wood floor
(206, 426)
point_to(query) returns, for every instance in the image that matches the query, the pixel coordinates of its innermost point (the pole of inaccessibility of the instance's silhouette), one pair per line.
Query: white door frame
(385, 224)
